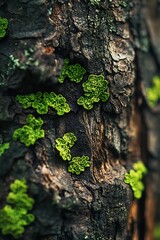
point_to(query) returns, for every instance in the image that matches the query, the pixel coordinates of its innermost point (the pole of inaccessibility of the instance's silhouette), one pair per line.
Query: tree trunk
(109, 38)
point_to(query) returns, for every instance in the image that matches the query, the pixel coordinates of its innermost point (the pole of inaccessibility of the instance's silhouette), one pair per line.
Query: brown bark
(111, 39)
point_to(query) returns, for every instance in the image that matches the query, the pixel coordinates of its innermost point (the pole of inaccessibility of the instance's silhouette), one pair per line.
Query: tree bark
(111, 38)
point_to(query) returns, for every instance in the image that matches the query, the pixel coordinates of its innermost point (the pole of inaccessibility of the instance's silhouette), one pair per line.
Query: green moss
(157, 231)
(76, 164)
(28, 134)
(153, 93)
(74, 72)
(41, 101)
(14, 215)
(58, 102)
(64, 144)
(3, 27)
(79, 164)
(134, 178)
(94, 91)
(3, 148)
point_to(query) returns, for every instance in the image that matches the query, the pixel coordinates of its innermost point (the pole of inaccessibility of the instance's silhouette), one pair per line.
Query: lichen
(64, 144)
(95, 2)
(41, 101)
(94, 91)
(3, 27)
(111, 22)
(123, 3)
(134, 178)
(79, 164)
(3, 148)
(25, 62)
(29, 133)
(14, 215)
(153, 93)
(74, 72)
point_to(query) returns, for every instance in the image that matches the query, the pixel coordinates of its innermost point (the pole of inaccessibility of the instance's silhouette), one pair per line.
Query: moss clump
(153, 93)
(134, 178)
(14, 215)
(76, 164)
(3, 27)
(74, 72)
(157, 231)
(79, 164)
(42, 101)
(64, 144)
(3, 148)
(28, 134)
(94, 91)
(58, 102)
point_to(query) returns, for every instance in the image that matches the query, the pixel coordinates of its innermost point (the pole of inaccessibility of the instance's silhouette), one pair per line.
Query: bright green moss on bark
(157, 231)
(78, 164)
(42, 101)
(74, 72)
(14, 215)
(94, 91)
(29, 133)
(3, 27)
(134, 178)
(3, 148)
(64, 144)
(58, 102)
(153, 93)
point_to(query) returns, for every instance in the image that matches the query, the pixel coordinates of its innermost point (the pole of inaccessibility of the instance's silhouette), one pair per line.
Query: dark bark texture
(110, 38)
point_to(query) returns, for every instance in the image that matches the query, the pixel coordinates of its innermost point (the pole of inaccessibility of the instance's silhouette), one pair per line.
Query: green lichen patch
(153, 93)
(123, 3)
(64, 144)
(3, 148)
(95, 2)
(94, 91)
(3, 27)
(78, 164)
(14, 215)
(29, 133)
(24, 62)
(134, 178)
(41, 101)
(74, 72)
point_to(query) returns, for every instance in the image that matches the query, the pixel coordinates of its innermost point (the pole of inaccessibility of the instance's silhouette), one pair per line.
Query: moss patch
(153, 93)
(29, 133)
(3, 27)
(14, 215)
(64, 144)
(42, 101)
(74, 72)
(134, 178)
(3, 148)
(94, 91)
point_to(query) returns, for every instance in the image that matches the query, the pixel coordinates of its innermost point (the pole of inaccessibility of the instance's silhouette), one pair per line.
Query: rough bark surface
(109, 39)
